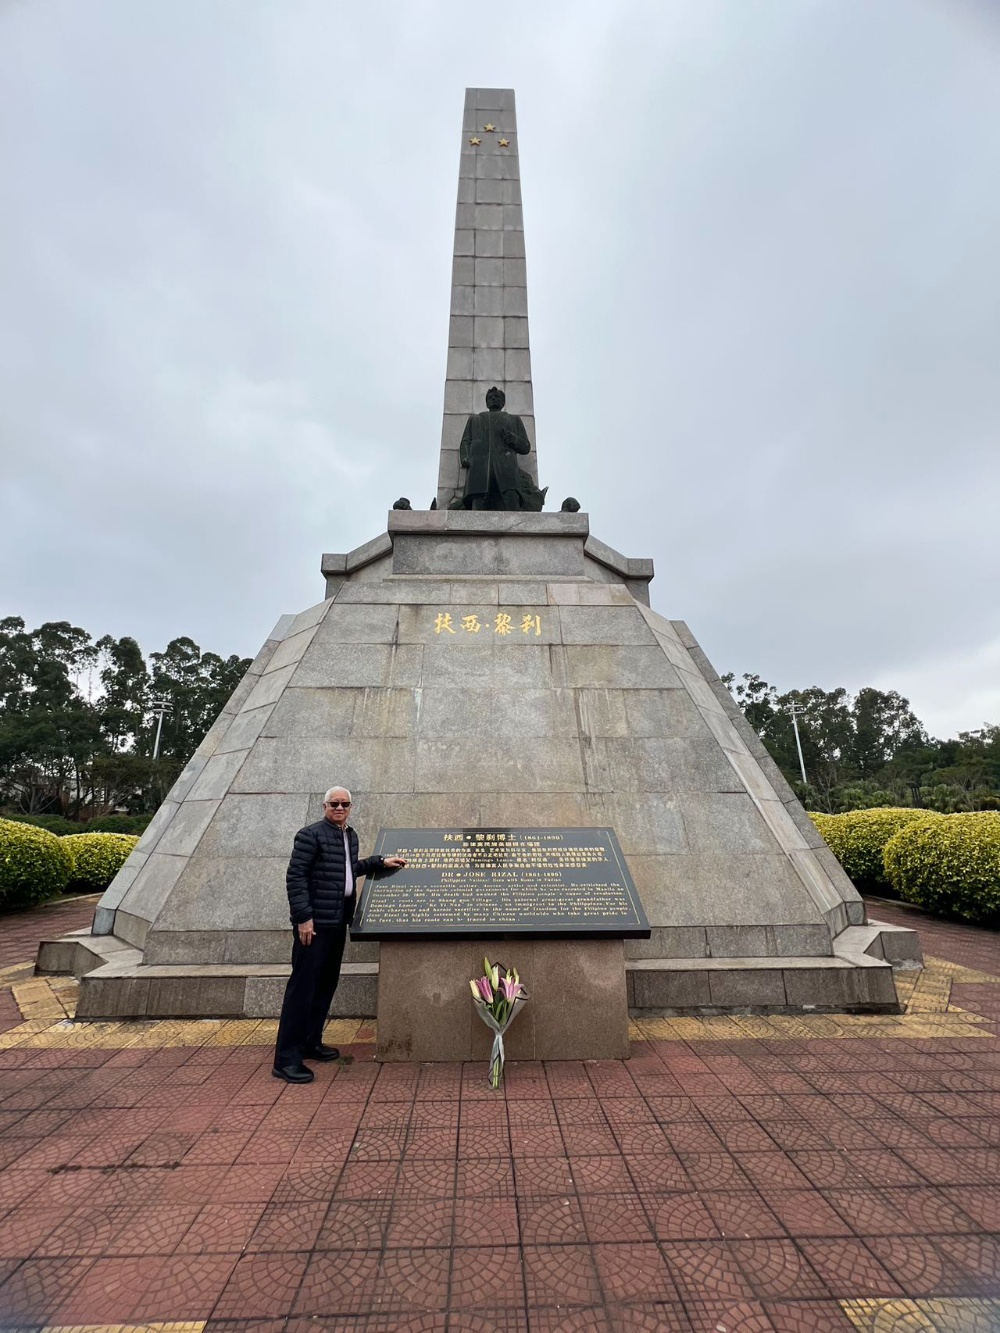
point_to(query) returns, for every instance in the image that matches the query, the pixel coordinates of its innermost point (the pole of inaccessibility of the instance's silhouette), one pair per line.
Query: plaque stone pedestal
(577, 1008)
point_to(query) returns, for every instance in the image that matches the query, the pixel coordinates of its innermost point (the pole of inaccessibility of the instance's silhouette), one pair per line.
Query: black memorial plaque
(555, 882)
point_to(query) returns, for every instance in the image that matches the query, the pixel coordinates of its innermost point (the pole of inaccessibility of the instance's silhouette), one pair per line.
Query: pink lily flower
(485, 989)
(509, 989)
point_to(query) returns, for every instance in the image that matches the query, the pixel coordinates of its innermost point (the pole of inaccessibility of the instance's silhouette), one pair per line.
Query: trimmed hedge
(857, 839)
(116, 824)
(97, 858)
(57, 824)
(35, 865)
(950, 865)
(68, 827)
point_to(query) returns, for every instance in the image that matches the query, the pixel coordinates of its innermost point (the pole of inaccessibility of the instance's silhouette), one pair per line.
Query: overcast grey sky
(763, 285)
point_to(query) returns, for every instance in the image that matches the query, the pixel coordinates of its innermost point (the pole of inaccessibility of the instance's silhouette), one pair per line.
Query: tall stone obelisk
(488, 334)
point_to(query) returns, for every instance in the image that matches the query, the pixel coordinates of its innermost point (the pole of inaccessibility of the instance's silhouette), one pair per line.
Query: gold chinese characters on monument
(503, 623)
(569, 882)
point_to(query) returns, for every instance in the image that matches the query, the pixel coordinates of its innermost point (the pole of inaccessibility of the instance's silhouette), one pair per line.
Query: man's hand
(307, 932)
(394, 862)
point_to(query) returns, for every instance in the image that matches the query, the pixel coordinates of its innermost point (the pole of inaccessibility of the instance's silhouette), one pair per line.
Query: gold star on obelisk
(489, 128)
(503, 143)
(475, 142)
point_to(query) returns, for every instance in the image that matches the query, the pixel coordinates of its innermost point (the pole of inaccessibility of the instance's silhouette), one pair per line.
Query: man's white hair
(332, 790)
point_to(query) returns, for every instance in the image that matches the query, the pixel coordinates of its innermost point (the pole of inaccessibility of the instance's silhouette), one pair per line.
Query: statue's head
(570, 505)
(495, 399)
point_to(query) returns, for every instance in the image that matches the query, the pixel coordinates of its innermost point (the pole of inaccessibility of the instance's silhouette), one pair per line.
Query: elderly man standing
(321, 883)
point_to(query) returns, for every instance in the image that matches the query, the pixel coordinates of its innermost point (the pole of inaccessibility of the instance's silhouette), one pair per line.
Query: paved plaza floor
(737, 1175)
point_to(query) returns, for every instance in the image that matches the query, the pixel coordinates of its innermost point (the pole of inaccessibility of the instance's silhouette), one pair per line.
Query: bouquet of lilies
(498, 1000)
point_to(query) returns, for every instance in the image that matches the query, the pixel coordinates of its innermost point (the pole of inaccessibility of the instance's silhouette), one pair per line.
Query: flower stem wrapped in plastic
(498, 999)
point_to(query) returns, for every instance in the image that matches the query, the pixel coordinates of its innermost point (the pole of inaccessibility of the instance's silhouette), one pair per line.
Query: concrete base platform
(576, 1010)
(856, 978)
(115, 984)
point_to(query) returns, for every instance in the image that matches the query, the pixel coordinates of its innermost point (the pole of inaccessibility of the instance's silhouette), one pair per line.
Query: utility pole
(160, 708)
(795, 709)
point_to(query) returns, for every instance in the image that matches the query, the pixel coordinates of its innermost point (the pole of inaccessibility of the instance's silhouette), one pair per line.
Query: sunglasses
(338, 805)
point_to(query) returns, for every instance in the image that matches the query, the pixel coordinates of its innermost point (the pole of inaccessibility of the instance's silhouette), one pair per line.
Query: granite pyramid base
(485, 670)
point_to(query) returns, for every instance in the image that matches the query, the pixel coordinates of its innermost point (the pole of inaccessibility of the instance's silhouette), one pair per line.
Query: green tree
(197, 686)
(870, 750)
(125, 692)
(69, 749)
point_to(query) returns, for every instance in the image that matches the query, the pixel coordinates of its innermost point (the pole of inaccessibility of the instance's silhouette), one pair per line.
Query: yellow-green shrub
(950, 864)
(34, 864)
(97, 857)
(857, 839)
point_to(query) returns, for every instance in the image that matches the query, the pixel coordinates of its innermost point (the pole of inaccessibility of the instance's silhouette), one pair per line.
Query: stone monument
(480, 665)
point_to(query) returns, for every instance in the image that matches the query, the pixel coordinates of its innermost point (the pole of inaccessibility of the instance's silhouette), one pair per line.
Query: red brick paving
(747, 1184)
(20, 932)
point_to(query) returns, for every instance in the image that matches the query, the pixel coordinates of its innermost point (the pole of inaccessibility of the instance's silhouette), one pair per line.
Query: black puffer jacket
(316, 875)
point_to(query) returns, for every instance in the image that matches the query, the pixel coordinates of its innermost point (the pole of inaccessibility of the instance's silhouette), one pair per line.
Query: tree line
(869, 749)
(78, 717)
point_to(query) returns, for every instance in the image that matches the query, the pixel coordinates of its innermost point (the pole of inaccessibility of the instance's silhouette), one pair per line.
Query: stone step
(837, 984)
(898, 945)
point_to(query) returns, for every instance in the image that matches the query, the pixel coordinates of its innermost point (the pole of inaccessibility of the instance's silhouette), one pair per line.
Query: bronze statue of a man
(490, 445)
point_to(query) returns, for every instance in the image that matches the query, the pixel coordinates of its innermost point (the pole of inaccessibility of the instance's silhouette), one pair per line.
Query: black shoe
(322, 1052)
(293, 1073)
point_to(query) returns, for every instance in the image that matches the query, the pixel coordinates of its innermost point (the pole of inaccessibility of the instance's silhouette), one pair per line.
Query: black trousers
(309, 993)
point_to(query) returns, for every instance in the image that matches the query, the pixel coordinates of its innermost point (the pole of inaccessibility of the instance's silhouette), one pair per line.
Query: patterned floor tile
(487, 1276)
(417, 1278)
(355, 1224)
(805, 1213)
(601, 1175)
(551, 1220)
(777, 1269)
(807, 1317)
(735, 1316)
(561, 1275)
(742, 1216)
(36, 1288)
(848, 1266)
(221, 1228)
(494, 1221)
(261, 1286)
(287, 1227)
(679, 1216)
(108, 1292)
(186, 1287)
(636, 1272)
(707, 1270)
(663, 1172)
(338, 1283)
(589, 1319)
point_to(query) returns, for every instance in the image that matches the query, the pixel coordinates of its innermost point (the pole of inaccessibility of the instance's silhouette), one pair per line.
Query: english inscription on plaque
(556, 882)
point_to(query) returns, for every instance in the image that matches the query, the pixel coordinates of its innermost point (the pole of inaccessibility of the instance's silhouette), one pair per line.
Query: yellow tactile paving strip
(19, 972)
(47, 1006)
(950, 1315)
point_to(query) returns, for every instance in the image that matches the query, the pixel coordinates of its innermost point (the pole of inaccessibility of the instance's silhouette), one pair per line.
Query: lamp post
(159, 708)
(795, 709)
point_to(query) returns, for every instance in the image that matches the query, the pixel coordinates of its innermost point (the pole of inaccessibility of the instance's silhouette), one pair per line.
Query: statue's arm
(463, 448)
(518, 440)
